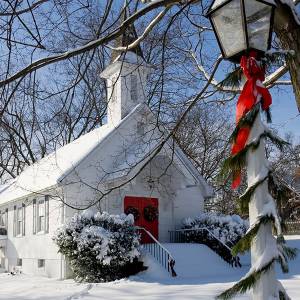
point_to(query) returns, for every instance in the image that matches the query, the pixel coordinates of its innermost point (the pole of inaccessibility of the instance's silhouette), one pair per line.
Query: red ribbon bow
(252, 93)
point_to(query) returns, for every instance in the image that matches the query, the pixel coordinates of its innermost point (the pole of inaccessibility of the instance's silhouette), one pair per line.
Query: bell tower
(126, 76)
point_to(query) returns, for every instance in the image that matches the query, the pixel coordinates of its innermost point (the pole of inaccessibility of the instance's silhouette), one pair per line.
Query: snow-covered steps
(193, 261)
(197, 260)
(206, 237)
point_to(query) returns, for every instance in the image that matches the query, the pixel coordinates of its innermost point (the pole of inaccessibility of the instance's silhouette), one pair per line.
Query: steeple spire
(127, 37)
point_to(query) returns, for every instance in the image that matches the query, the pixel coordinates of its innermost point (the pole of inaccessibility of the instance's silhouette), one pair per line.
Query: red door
(147, 216)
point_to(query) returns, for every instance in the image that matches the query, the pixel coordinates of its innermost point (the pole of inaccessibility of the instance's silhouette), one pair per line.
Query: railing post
(160, 253)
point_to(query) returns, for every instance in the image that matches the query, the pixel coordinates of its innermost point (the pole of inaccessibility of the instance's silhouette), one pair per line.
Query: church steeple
(127, 37)
(126, 76)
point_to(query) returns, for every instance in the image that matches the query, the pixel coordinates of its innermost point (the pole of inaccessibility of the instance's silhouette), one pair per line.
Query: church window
(133, 87)
(19, 262)
(20, 220)
(41, 263)
(3, 219)
(41, 215)
(141, 128)
(34, 215)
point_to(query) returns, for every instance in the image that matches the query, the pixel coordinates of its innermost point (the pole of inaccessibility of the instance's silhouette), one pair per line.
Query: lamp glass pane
(258, 16)
(228, 23)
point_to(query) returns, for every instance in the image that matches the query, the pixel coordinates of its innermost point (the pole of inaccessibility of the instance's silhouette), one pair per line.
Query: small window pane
(41, 215)
(41, 263)
(229, 26)
(19, 221)
(19, 262)
(3, 219)
(133, 88)
(34, 216)
(258, 17)
(141, 128)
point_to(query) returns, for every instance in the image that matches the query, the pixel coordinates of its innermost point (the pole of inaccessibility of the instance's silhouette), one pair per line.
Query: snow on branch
(25, 10)
(91, 45)
(270, 81)
(145, 33)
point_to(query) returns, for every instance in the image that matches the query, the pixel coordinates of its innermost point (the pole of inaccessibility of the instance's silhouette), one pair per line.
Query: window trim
(19, 220)
(40, 225)
(3, 217)
(39, 228)
(34, 225)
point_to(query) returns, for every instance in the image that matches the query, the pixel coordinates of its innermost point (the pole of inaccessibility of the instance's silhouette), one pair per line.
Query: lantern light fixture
(242, 25)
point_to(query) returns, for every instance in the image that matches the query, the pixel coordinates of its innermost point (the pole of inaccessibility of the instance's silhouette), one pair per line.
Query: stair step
(198, 260)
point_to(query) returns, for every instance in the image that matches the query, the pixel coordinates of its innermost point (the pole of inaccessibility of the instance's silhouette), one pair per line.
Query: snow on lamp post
(243, 29)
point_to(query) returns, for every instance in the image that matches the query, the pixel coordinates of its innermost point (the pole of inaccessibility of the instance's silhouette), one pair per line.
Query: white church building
(130, 162)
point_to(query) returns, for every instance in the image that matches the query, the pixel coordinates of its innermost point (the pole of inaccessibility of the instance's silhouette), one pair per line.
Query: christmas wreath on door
(150, 213)
(134, 211)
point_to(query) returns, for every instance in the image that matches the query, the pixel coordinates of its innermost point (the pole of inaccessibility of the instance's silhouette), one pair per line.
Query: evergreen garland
(244, 200)
(245, 283)
(237, 162)
(232, 79)
(245, 121)
(244, 243)
(289, 252)
(234, 164)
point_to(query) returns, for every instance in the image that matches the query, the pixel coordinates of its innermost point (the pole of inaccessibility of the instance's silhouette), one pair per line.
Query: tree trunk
(257, 166)
(288, 33)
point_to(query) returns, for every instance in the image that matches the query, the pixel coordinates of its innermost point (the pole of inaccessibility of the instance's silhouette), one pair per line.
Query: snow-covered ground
(201, 275)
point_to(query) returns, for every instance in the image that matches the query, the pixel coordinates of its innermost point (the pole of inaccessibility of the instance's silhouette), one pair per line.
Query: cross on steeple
(127, 37)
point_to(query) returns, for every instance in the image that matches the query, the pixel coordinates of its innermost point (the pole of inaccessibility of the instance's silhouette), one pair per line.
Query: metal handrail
(233, 260)
(159, 252)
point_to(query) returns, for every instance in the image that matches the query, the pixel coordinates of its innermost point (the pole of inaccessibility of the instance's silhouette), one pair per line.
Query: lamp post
(243, 29)
(242, 25)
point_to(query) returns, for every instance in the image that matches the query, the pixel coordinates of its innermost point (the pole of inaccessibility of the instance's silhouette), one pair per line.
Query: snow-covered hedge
(100, 247)
(229, 229)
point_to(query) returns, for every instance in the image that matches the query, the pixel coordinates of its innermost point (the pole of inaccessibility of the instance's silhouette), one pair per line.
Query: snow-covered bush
(228, 229)
(100, 247)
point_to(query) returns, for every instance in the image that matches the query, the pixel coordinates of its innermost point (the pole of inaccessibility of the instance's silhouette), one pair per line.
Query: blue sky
(285, 113)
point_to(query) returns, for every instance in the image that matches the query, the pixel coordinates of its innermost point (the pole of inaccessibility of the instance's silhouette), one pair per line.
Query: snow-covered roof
(47, 171)
(52, 169)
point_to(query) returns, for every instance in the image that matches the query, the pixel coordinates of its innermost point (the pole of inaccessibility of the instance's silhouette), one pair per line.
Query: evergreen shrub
(100, 247)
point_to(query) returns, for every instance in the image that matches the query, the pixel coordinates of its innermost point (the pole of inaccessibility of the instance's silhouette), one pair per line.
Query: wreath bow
(253, 92)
